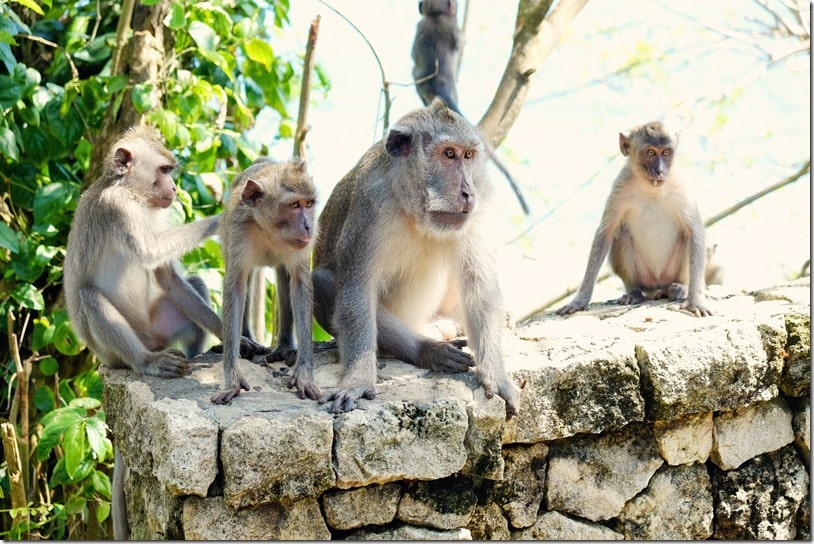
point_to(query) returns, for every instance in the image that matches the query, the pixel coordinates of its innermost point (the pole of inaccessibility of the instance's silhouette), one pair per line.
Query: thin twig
(305, 91)
(21, 394)
(34, 38)
(15, 476)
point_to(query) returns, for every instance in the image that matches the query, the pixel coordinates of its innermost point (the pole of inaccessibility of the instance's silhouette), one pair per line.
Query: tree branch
(305, 91)
(537, 33)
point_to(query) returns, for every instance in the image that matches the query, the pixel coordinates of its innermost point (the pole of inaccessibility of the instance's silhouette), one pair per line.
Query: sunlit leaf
(32, 5)
(8, 238)
(176, 17)
(204, 36)
(259, 51)
(28, 296)
(75, 445)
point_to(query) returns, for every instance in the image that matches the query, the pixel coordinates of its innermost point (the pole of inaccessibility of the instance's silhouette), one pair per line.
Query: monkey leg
(116, 343)
(197, 335)
(284, 350)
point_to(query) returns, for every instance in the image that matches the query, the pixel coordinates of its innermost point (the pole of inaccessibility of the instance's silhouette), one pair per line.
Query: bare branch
(305, 91)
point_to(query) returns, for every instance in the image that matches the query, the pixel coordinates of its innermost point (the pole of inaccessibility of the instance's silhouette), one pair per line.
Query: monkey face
(655, 162)
(163, 190)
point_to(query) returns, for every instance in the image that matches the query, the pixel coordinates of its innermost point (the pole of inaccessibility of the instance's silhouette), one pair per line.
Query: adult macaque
(400, 234)
(436, 52)
(127, 297)
(269, 221)
(652, 227)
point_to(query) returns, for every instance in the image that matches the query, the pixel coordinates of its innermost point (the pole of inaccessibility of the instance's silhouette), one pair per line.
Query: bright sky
(742, 128)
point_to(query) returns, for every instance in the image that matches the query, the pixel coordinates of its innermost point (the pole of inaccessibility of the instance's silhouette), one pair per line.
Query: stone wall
(635, 423)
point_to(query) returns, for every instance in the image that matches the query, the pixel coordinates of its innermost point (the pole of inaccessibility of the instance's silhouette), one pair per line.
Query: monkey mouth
(657, 181)
(450, 219)
(299, 243)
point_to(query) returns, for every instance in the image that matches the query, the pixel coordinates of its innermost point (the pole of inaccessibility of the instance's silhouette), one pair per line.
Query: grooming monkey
(125, 292)
(652, 227)
(436, 51)
(269, 221)
(400, 233)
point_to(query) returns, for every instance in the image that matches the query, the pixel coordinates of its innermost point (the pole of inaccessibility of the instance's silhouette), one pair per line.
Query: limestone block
(354, 508)
(676, 505)
(168, 438)
(522, 491)
(440, 504)
(152, 512)
(796, 380)
(488, 523)
(583, 386)
(384, 441)
(760, 500)
(717, 368)
(594, 476)
(801, 423)
(747, 432)
(484, 437)
(556, 526)
(285, 456)
(685, 440)
(409, 532)
(211, 519)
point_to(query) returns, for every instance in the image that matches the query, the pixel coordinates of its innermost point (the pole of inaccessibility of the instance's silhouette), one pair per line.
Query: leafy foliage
(57, 90)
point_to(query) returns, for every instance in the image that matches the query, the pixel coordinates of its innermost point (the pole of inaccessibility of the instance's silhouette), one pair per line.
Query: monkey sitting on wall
(436, 52)
(124, 288)
(269, 221)
(651, 226)
(400, 235)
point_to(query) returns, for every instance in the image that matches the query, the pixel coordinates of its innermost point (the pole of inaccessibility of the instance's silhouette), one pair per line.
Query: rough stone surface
(522, 491)
(399, 440)
(487, 523)
(801, 423)
(796, 380)
(354, 508)
(556, 526)
(719, 368)
(484, 437)
(409, 532)
(594, 476)
(282, 458)
(676, 505)
(153, 512)
(440, 504)
(211, 519)
(585, 386)
(747, 432)
(685, 440)
(760, 500)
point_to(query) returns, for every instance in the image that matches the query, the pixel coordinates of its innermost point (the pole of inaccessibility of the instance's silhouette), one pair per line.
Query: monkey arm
(695, 302)
(156, 248)
(599, 250)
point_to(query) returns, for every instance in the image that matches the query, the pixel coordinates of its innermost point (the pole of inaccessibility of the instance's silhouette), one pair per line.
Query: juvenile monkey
(652, 227)
(398, 234)
(436, 52)
(125, 292)
(269, 221)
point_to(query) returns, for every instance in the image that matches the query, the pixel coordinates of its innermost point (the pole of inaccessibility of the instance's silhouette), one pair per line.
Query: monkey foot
(505, 388)
(225, 396)
(169, 363)
(632, 298)
(444, 357)
(344, 400)
(306, 388)
(676, 291)
(572, 307)
(285, 353)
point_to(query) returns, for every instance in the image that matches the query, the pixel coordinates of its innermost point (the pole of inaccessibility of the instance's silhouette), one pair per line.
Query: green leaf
(175, 19)
(65, 340)
(8, 238)
(49, 366)
(260, 52)
(96, 438)
(86, 403)
(101, 483)
(102, 511)
(44, 398)
(8, 144)
(42, 336)
(75, 446)
(30, 4)
(28, 296)
(143, 97)
(204, 36)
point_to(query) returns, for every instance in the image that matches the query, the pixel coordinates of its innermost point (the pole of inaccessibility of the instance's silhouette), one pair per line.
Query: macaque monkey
(124, 288)
(652, 227)
(436, 52)
(399, 235)
(269, 221)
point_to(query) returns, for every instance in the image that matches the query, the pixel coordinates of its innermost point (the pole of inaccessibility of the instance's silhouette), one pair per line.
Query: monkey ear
(624, 144)
(399, 144)
(122, 161)
(252, 193)
(421, 8)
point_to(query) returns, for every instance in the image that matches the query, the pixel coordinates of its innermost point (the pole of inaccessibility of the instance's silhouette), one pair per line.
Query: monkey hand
(169, 363)
(575, 305)
(502, 386)
(696, 308)
(283, 352)
(249, 348)
(303, 380)
(443, 357)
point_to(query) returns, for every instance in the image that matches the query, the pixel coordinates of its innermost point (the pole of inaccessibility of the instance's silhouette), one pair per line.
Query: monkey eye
(309, 203)
(166, 169)
(449, 153)
(666, 152)
(651, 152)
(469, 153)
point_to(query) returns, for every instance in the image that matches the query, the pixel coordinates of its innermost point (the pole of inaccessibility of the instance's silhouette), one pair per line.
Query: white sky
(741, 128)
